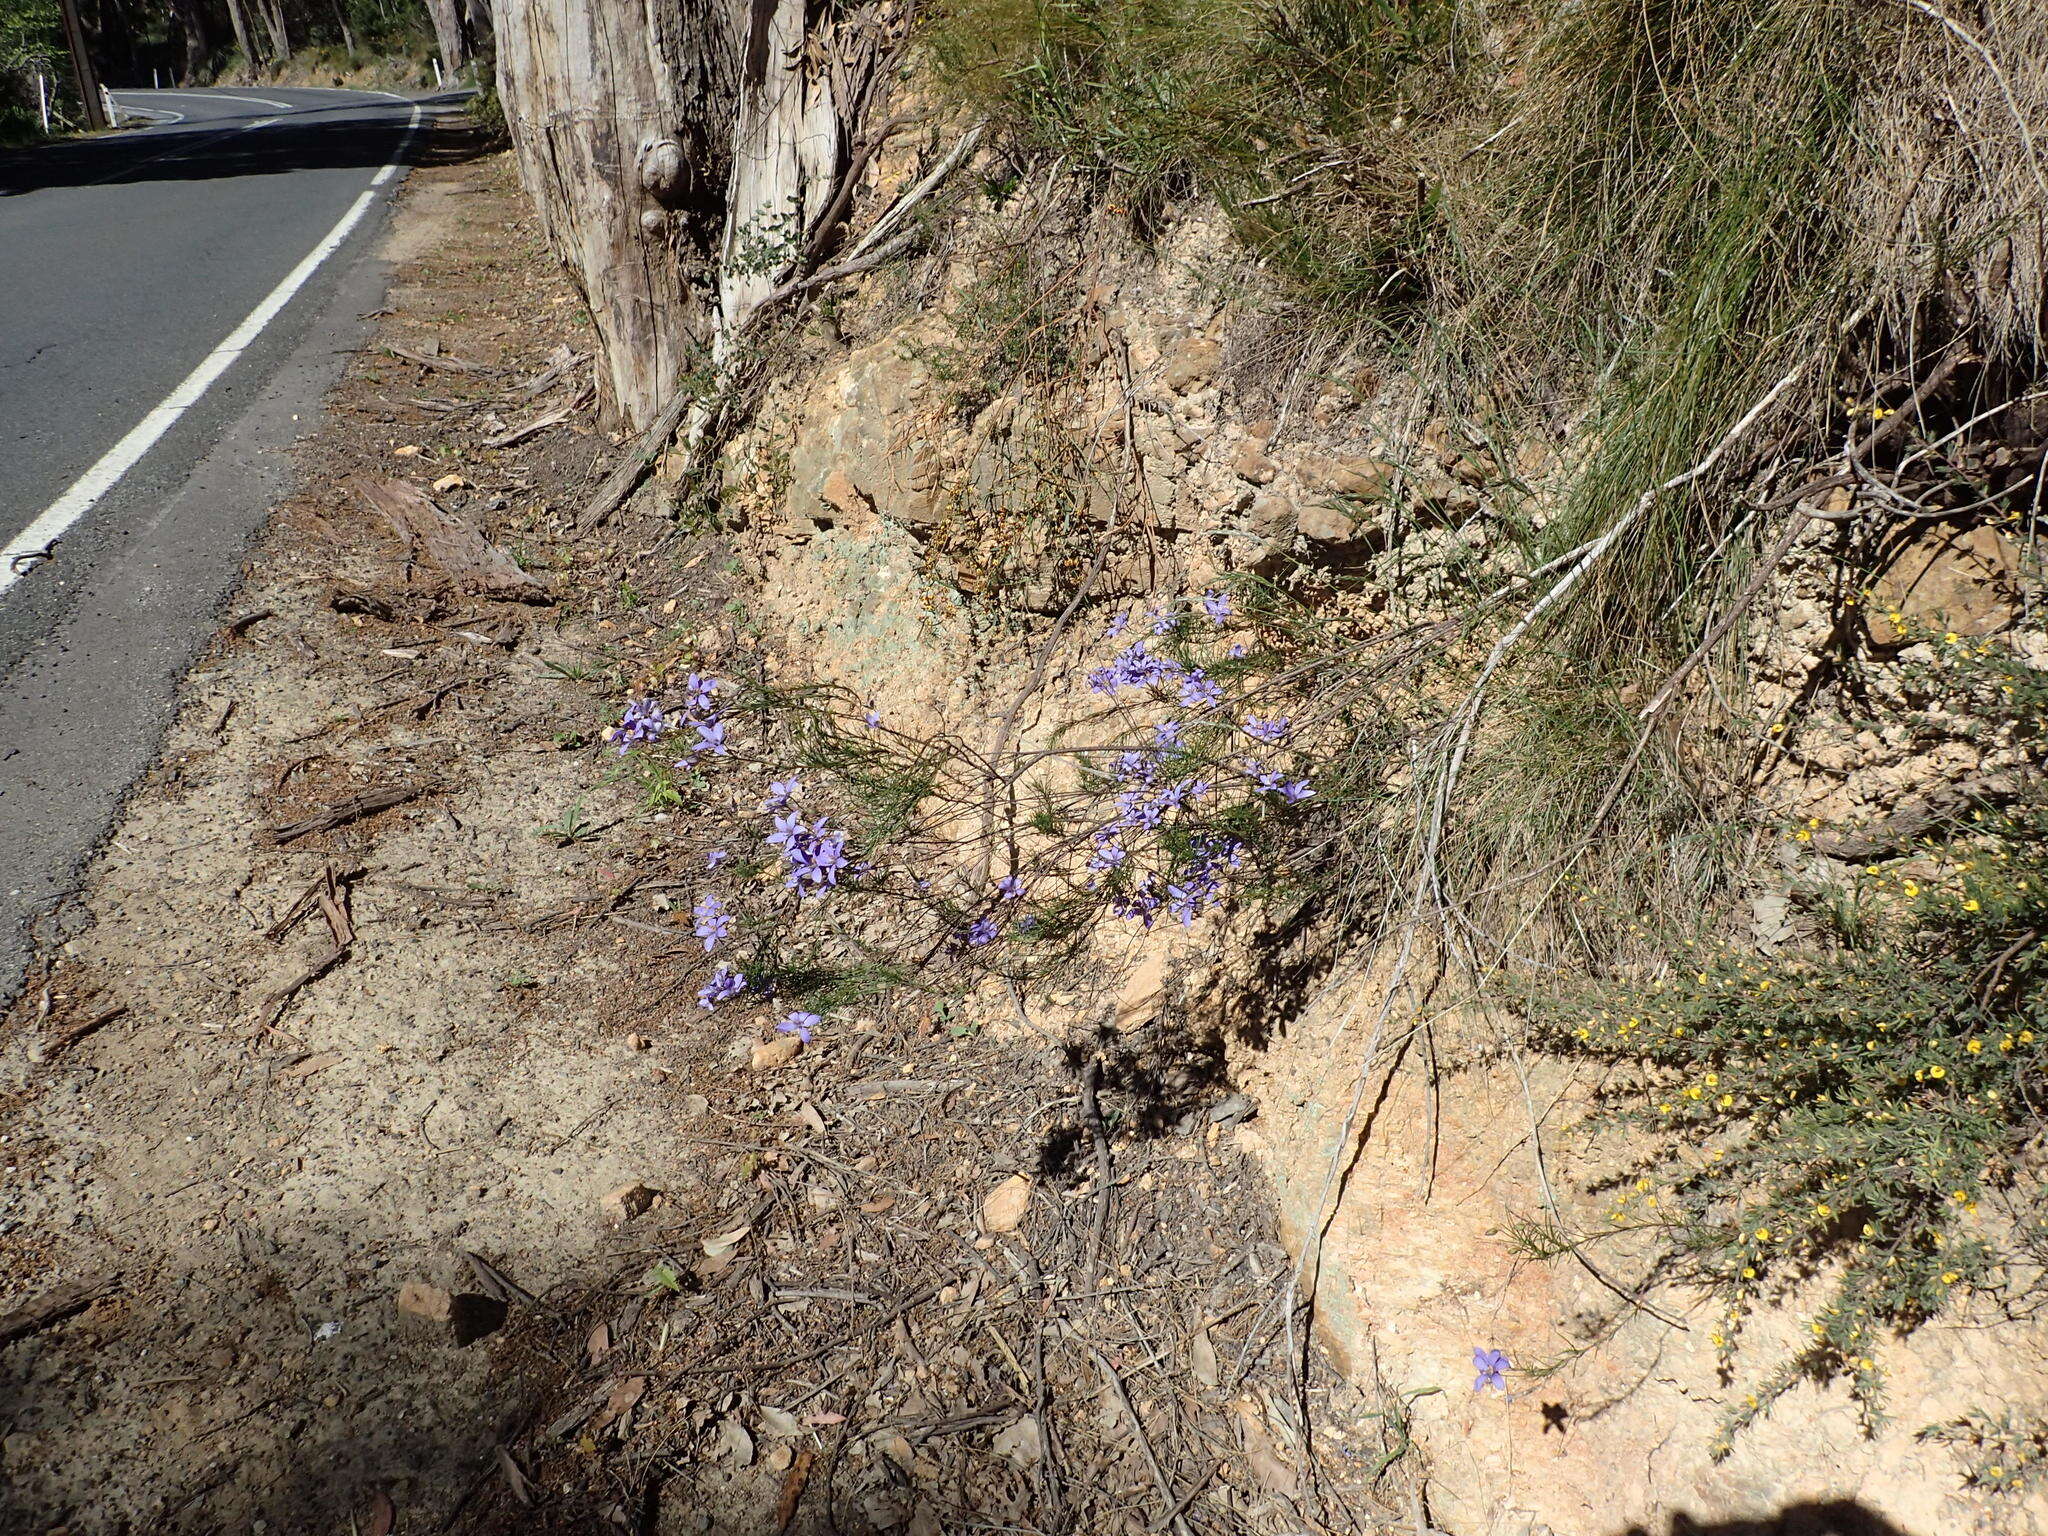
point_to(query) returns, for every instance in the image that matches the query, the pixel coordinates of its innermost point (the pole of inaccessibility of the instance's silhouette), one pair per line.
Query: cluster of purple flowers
(1272, 732)
(713, 923)
(982, 930)
(1134, 667)
(724, 985)
(815, 853)
(1199, 884)
(644, 721)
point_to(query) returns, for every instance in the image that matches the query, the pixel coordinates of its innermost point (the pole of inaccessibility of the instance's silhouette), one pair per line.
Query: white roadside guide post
(439, 79)
(113, 113)
(43, 101)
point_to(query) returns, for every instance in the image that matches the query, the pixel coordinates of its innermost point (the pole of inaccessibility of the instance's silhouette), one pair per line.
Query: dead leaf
(1262, 1454)
(1003, 1210)
(450, 483)
(810, 1117)
(1202, 1359)
(718, 1247)
(383, 1516)
(319, 1061)
(779, 1422)
(734, 1441)
(624, 1396)
(823, 1419)
(599, 1344)
(409, 451)
(515, 1475)
(1021, 1442)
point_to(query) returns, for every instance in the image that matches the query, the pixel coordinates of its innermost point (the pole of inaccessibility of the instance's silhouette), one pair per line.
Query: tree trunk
(447, 33)
(192, 23)
(239, 19)
(621, 118)
(348, 37)
(681, 155)
(280, 38)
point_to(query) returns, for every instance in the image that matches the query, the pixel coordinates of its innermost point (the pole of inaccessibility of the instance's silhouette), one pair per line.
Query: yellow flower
(1763, 1234)
(1911, 889)
(1748, 1272)
(1949, 1277)
(1971, 905)
(1937, 1071)
(1974, 1047)
(1713, 1079)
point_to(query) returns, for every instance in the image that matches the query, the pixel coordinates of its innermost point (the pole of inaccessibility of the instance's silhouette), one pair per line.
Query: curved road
(179, 298)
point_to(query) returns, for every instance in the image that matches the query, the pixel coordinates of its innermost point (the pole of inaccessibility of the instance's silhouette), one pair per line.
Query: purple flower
(1141, 902)
(1118, 622)
(1236, 651)
(815, 853)
(1133, 667)
(715, 857)
(1265, 780)
(981, 931)
(1108, 852)
(710, 737)
(1272, 732)
(781, 792)
(725, 984)
(1010, 888)
(1197, 692)
(642, 722)
(1216, 605)
(1135, 768)
(1163, 619)
(1493, 1367)
(1166, 734)
(700, 690)
(713, 923)
(874, 720)
(1295, 791)
(799, 1024)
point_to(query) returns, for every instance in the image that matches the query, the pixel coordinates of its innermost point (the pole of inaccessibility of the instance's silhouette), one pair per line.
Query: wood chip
(54, 1306)
(452, 545)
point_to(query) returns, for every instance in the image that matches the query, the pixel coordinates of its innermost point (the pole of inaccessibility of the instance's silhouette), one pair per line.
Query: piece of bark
(452, 545)
(54, 1306)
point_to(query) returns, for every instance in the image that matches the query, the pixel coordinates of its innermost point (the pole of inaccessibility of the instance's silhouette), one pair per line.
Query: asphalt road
(162, 342)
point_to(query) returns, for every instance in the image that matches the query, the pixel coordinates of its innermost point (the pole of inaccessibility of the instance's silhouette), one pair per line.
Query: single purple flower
(700, 689)
(1236, 651)
(1216, 605)
(1118, 623)
(874, 720)
(781, 792)
(799, 1024)
(1295, 791)
(725, 984)
(1163, 619)
(981, 931)
(1493, 1367)
(710, 737)
(715, 857)
(1166, 734)
(1010, 888)
(713, 923)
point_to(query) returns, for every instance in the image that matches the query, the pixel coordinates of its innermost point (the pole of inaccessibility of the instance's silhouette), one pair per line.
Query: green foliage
(31, 40)
(1844, 1111)
(2004, 1452)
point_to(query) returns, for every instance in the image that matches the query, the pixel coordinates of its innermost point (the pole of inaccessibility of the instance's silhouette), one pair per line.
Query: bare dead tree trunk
(280, 37)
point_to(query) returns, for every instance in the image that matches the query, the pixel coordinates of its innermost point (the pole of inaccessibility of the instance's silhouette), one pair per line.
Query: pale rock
(779, 1052)
(629, 1201)
(1192, 364)
(1321, 523)
(1004, 1207)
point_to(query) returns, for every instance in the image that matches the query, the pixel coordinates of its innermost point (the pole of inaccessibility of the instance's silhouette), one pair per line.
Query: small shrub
(1841, 1112)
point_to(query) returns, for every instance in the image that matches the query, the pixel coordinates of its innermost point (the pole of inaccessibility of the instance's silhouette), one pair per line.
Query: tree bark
(621, 119)
(448, 33)
(192, 23)
(238, 18)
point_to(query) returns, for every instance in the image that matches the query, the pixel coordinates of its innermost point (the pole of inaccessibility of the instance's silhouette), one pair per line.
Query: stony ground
(371, 1168)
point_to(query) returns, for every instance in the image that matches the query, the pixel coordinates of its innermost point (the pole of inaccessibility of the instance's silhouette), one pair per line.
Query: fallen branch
(54, 1306)
(340, 814)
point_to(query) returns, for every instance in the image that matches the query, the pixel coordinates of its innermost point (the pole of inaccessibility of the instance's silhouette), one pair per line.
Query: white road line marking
(154, 114)
(23, 553)
(259, 101)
